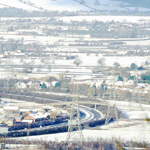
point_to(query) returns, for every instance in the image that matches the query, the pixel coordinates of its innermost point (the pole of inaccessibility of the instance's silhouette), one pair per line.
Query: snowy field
(138, 43)
(137, 133)
(132, 110)
(39, 39)
(60, 5)
(135, 113)
(134, 19)
(123, 61)
(123, 130)
(109, 61)
(86, 61)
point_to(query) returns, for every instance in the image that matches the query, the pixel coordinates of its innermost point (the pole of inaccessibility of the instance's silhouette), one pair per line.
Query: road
(90, 115)
(95, 102)
(98, 101)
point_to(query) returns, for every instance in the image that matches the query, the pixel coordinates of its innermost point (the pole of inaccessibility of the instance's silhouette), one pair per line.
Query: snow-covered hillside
(69, 5)
(77, 5)
(74, 5)
(17, 4)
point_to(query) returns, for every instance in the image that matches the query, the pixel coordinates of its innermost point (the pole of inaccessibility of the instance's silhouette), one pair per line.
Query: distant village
(42, 59)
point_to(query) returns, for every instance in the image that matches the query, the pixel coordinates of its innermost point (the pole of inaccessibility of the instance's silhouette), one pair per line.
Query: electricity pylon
(135, 92)
(74, 124)
(136, 98)
(112, 109)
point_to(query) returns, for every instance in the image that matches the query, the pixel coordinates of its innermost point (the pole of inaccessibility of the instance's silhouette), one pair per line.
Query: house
(53, 116)
(19, 54)
(82, 79)
(1, 111)
(29, 118)
(129, 83)
(24, 110)
(57, 112)
(64, 112)
(18, 118)
(20, 85)
(3, 124)
(119, 84)
(10, 121)
(99, 83)
(11, 108)
(27, 121)
(35, 117)
(45, 85)
(28, 113)
(1, 56)
(41, 111)
(33, 85)
(55, 83)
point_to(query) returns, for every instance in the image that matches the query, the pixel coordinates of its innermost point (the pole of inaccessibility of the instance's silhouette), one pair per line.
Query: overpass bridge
(107, 102)
(96, 103)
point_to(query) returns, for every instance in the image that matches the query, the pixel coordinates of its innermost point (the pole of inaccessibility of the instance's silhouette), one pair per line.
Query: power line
(74, 124)
(112, 112)
(135, 92)
(112, 109)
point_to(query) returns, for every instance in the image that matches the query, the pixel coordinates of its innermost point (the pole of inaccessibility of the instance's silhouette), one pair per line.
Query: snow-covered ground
(109, 61)
(123, 61)
(135, 113)
(38, 39)
(123, 130)
(69, 5)
(138, 133)
(133, 110)
(134, 19)
(75, 5)
(16, 4)
(60, 5)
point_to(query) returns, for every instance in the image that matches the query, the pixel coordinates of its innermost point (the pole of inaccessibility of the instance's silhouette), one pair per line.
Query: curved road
(90, 115)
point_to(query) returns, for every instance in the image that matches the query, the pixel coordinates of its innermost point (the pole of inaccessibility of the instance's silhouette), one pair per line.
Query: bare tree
(61, 76)
(116, 64)
(92, 91)
(78, 62)
(101, 61)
